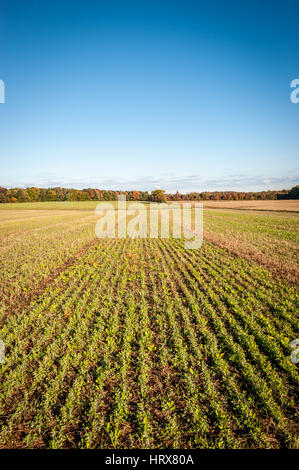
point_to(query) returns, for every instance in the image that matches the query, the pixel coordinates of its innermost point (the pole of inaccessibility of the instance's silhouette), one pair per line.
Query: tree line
(34, 194)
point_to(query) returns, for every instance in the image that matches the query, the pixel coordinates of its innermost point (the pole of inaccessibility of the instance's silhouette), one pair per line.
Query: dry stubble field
(142, 343)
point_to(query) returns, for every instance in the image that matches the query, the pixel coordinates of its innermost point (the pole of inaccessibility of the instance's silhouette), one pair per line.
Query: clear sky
(183, 95)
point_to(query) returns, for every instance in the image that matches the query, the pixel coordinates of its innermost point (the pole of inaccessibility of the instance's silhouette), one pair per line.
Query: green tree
(159, 195)
(294, 193)
(22, 195)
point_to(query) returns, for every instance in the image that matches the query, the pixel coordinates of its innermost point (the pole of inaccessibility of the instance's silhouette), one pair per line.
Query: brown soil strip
(288, 272)
(287, 205)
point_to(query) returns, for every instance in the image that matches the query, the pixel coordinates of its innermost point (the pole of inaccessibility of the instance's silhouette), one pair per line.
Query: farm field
(121, 343)
(267, 205)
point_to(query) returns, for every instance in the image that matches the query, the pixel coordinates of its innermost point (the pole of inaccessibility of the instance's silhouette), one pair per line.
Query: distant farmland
(142, 343)
(275, 205)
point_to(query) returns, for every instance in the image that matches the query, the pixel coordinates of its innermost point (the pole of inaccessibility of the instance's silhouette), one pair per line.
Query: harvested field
(276, 205)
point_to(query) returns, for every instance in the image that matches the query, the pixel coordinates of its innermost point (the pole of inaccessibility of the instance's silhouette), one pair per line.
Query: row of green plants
(142, 343)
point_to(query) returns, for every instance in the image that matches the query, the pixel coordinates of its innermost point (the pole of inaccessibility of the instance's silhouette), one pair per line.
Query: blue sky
(184, 95)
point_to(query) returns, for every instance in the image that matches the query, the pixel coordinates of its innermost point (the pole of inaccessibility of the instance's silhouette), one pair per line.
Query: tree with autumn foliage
(158, 195)
(136, 195)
